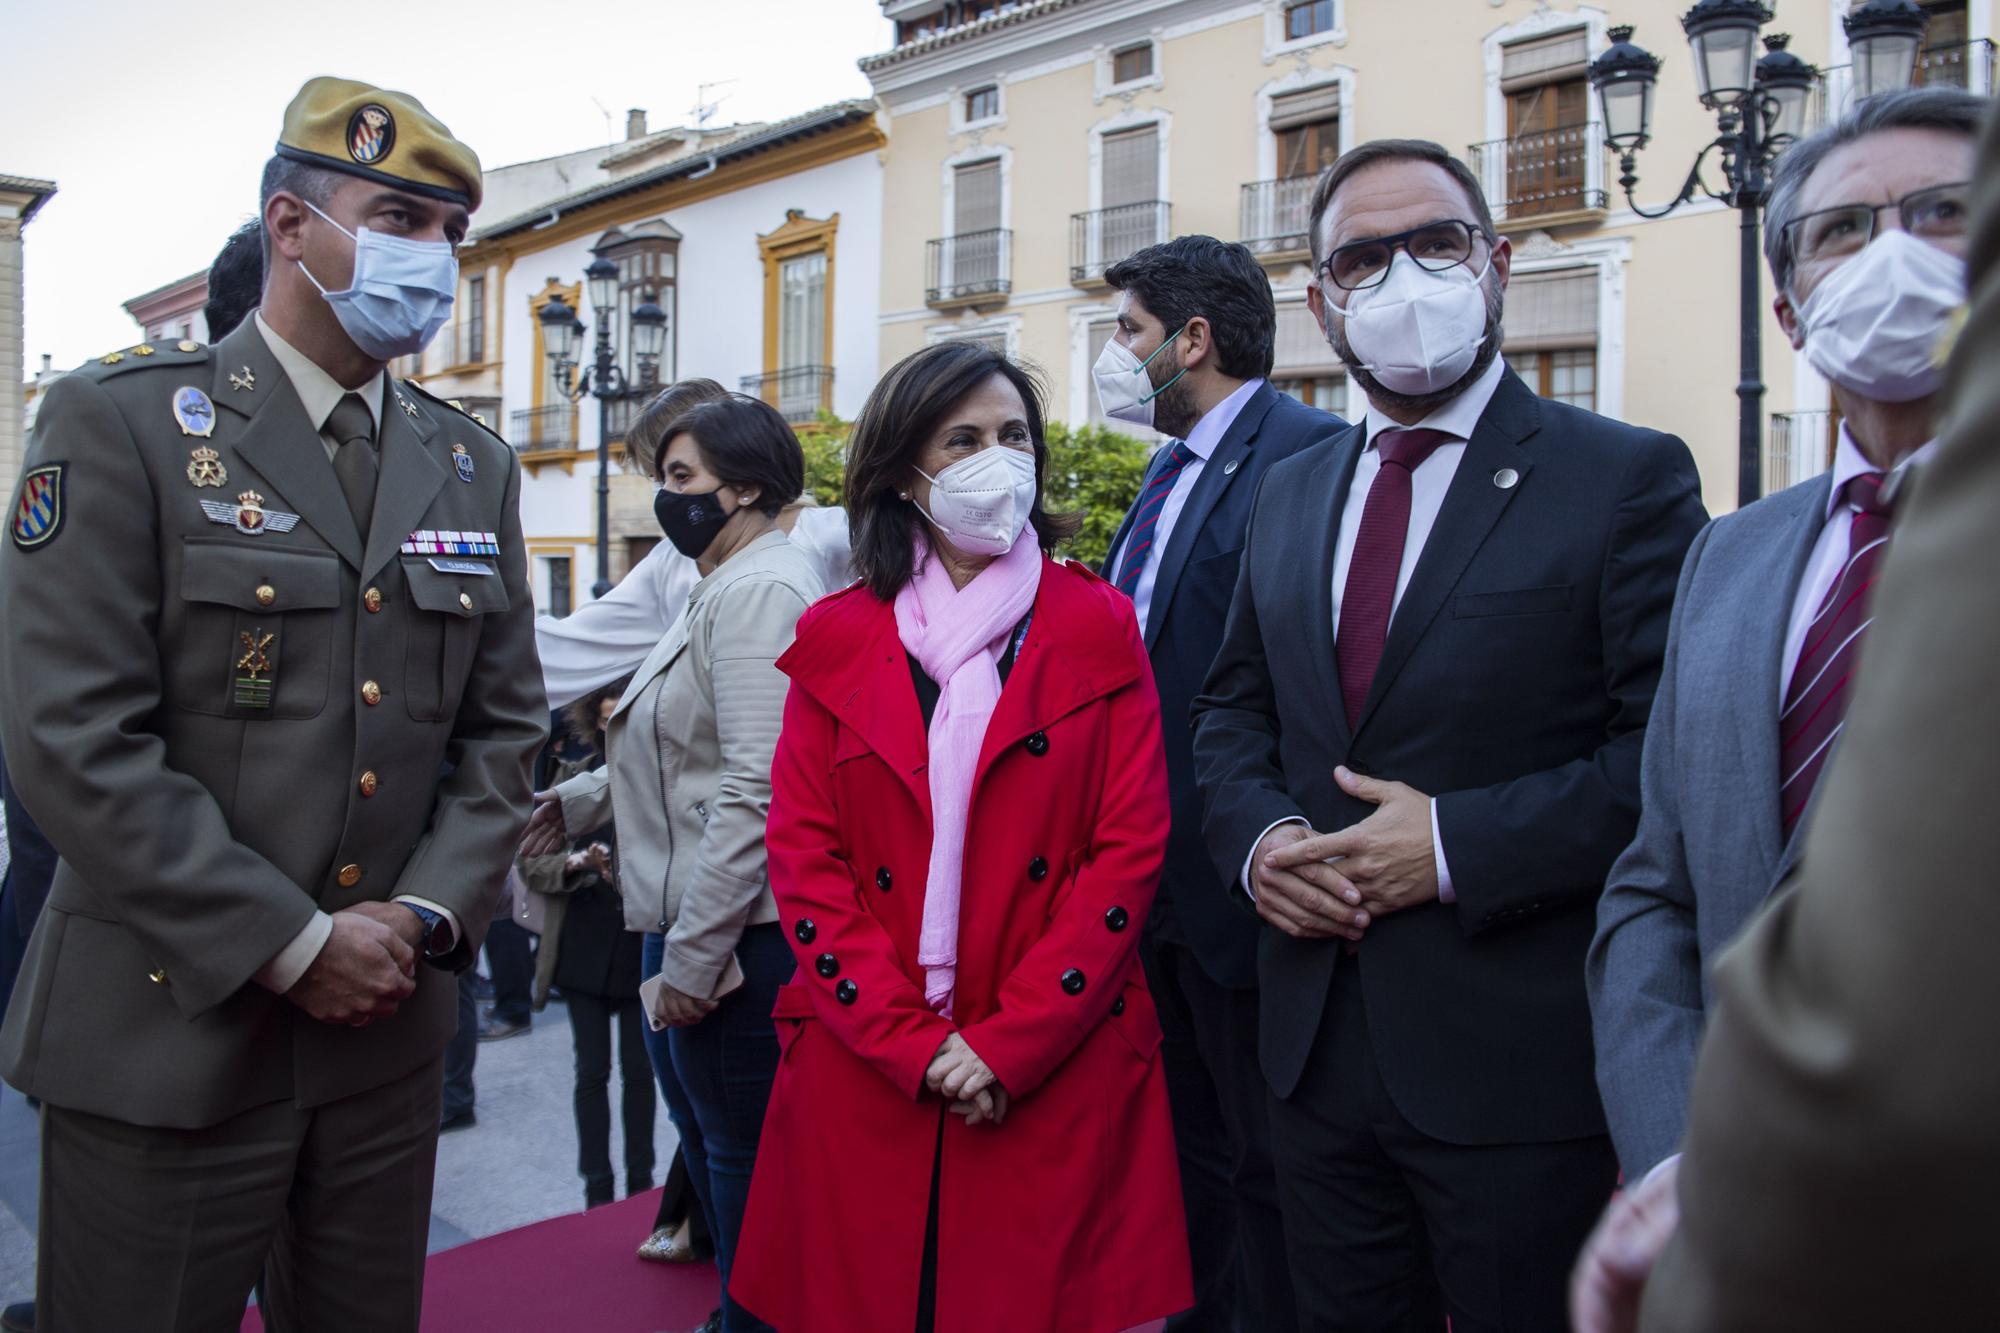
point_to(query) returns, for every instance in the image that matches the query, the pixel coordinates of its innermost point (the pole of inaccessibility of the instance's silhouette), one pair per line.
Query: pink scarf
(958, 636)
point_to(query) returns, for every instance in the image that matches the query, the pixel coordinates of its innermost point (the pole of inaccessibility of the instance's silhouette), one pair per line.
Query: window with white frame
(1552, 333)
(801, 332)
(1304, 364)
(982, 104)
(1307, 18)
(1547, 154)
(977, 248)
(1131, 64)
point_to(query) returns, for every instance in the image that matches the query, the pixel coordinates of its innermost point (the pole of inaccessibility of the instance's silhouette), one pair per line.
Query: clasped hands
(1332, 885)
(366, 968)
(958, 1075)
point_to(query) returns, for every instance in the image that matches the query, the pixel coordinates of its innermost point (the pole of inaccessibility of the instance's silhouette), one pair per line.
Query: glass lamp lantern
(1723, 34)
(1787, 82)
(649, 333)
(601, 277)
(1624, 76)
(559, 331)
(1884, 37)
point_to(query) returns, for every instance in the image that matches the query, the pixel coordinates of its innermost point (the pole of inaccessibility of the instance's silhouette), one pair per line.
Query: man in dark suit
(1196, 314)
(1419, 746)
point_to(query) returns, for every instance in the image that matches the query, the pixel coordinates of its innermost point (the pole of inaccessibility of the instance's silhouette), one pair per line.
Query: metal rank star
(247, 380)
(205, 467)
(253, 687)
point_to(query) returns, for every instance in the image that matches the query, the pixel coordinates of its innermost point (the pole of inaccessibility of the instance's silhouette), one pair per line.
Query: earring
(903, 495)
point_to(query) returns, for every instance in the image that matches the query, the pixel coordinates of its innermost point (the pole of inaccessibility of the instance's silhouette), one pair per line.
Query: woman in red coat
(969, 1127)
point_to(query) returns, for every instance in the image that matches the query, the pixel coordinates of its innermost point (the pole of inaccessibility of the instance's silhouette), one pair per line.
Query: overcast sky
(154, 120)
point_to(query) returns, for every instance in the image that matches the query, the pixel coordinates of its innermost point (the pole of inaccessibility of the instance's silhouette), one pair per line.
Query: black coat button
(1038, 870)
(846, 991)
(1115, 920)
(806, 931)
(1038, 744)
(1072, 982)
(884, 880)
(1118, 1006)
(827, 966)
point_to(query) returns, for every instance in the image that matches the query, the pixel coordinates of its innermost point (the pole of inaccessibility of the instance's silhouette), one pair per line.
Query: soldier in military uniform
(270, 686)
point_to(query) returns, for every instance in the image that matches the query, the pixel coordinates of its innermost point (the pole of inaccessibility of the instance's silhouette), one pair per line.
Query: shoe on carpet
(465, 1119)
(18, 1317)
(494, 1029)
(668, 1245)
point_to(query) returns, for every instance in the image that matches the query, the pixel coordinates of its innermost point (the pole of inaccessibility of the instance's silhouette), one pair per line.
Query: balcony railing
(1274, 215)
(541, 429)
(800, 393)
(1967, 65)
(1800, 446)
(962, 269)
(1099, 239)
(1550, 171)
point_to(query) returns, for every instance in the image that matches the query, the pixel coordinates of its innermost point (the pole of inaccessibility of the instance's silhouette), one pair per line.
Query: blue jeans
(716, 1077)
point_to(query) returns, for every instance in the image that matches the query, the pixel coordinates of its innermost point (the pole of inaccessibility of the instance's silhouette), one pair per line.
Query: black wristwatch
(437, 930)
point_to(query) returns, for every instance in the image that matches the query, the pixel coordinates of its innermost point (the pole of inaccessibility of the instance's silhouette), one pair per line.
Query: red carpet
(574, 1274)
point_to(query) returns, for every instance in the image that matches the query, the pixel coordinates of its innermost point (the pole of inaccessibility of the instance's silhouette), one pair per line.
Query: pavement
(514, 1167)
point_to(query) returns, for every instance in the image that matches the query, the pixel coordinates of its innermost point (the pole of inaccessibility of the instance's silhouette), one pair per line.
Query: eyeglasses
(1435, 245)
(1937, 214)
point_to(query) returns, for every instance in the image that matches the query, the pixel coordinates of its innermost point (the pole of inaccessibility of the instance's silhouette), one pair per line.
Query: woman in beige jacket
(690, 779)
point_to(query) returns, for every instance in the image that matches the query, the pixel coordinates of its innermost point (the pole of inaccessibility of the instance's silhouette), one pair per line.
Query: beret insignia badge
(371, 133)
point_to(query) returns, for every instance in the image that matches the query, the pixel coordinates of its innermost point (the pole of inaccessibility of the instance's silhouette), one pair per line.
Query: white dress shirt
(319, 393)
(608, 638)
(1201, 442)
(1830, 554)
(1428, 483)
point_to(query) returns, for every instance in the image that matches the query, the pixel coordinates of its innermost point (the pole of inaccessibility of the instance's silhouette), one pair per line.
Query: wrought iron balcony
(800, 393)
(1800, 446)
(1099, 239)
(1274, 215)
(539, 430)
(1542, 174)
(970, 268)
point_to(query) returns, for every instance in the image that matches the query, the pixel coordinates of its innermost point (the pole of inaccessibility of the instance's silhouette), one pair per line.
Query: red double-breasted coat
(1067, 1218)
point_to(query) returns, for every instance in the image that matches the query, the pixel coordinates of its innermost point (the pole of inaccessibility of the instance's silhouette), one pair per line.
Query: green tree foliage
(1092, 471)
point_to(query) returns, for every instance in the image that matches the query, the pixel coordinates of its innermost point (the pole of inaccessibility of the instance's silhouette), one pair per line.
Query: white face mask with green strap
(1124, 390)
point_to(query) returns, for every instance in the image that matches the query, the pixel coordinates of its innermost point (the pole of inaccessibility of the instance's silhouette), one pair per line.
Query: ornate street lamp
(1760, 108)
(603, 380)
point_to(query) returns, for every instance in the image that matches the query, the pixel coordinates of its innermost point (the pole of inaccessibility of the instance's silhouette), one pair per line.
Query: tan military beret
(381, 136)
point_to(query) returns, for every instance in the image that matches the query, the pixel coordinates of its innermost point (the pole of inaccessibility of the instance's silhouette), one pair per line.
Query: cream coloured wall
(1667, 349)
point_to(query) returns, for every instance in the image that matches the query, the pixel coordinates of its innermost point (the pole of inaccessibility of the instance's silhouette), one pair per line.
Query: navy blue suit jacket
(1190, 605)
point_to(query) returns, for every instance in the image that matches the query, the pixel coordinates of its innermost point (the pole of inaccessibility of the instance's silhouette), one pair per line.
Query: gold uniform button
(465, 600)
(350, 876)
(266, 595)
(188, 345)
(158, 976)
(372, 599)
(371, 693)
(369, 783)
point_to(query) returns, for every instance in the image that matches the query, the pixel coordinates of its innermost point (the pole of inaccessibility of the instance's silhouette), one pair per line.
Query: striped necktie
(1816, 701)
(1146, 518)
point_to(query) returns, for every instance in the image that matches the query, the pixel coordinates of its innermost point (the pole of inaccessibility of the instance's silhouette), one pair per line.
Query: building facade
(21, 197)
(1035, 143)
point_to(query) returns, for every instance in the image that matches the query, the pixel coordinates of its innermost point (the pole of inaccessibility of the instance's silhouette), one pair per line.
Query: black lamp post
(562, 332)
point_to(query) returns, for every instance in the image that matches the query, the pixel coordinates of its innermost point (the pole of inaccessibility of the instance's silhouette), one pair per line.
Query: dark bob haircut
(1394, 150)
(649, 428)
(235, 280)
(909, 405)
(1220, 281)
(745, 442)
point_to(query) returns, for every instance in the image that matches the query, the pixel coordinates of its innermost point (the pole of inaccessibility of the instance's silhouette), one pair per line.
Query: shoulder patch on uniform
(38, 514)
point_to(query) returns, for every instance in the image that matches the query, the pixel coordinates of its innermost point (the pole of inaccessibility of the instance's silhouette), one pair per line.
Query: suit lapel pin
(193, 411)
(247, 380)
(1506, 479)
(205, 467)
(1229, 468)
(462, 460)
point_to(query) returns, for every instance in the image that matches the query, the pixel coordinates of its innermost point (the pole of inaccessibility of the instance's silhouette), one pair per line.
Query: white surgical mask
(983, 502)
(1874, 324)
(1417, 331)
(401, 294)
(1124, 390)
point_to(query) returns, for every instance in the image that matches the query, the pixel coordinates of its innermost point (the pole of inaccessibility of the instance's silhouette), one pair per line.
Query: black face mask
(691, 522)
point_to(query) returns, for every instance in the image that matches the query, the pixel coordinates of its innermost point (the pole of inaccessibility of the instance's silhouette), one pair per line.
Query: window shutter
(1550, 310)
(1132, 166)
(1302, 349)
(1547, 59)
(976, 197)
(1305, 107)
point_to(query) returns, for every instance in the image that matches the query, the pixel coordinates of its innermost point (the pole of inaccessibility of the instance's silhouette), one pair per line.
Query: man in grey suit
(270, 687)
(1866, 241)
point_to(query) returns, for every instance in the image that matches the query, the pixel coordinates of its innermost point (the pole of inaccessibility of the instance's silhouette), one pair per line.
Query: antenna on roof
(704, 108)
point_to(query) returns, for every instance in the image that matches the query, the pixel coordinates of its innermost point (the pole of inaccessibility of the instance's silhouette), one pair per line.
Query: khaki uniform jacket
(1842, 1165)
(690, 749)
(198, 833)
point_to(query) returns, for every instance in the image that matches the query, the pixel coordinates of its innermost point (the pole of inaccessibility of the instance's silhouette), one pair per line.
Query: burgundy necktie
(1816, 700)
(1146, 519)
(1370, 594)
